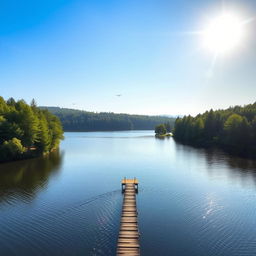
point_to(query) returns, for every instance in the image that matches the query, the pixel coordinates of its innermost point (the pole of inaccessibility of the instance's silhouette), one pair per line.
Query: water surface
(190, 202)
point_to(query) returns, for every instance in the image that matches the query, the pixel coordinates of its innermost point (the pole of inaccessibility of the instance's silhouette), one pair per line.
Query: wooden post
(136, 188)
(136, 185)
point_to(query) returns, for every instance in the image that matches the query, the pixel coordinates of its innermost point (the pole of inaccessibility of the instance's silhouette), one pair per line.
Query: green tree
(33, 103)
(11, 102)
(56, 130)
(43, 142)
(160, 129)
(28, 122)
(9, 130)
(232, 129)
(168, 126)
(4, 108)
(198, 128)
(11, 150)
(209, 125)
(237, 131)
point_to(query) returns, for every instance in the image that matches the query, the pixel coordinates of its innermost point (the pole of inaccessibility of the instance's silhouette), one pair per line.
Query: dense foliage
(26, 130)
(160, 129)
(77, 120)
(233, 129)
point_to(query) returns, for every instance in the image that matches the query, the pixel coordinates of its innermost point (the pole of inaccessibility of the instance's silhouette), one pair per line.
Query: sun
(223, 34)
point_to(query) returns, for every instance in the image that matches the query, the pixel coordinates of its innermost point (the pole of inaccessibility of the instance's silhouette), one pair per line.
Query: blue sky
(81, 54)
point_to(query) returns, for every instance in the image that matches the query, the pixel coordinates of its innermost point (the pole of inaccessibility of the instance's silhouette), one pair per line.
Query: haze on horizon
(139, 57)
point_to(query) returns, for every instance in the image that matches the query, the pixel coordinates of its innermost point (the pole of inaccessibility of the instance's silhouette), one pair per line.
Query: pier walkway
(128, 240)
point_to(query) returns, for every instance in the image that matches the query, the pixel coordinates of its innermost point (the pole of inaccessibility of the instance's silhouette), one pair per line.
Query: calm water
(191, 201)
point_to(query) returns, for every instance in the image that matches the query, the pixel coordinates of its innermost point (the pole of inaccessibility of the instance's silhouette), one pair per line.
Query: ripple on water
(207, 223)
(87, 226)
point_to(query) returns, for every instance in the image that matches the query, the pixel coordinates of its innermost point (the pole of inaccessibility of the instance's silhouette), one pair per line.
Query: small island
(163, 130)
(27, 131)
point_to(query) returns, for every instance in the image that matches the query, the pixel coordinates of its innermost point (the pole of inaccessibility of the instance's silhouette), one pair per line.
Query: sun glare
(223, 34)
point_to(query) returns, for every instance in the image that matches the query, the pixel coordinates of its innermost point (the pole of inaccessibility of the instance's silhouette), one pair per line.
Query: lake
(190, 202)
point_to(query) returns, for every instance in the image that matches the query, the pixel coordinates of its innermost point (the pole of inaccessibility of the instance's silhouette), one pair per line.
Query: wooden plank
(128, 214)
(129, 225)
(130, 181)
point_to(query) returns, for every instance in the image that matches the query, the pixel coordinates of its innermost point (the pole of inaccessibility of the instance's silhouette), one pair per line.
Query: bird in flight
(118, 95)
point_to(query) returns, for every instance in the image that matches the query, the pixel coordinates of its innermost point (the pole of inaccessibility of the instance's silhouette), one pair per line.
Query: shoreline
(227, 150)
(166, 135)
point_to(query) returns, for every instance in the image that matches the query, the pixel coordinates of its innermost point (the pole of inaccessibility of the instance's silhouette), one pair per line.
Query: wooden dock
(128, 240)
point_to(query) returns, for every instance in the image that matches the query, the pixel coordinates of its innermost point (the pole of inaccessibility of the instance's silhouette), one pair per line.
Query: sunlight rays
(221, 35)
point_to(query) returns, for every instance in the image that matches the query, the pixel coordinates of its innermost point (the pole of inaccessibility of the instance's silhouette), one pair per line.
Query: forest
(26, 130)
(233, 129)
(78, 120)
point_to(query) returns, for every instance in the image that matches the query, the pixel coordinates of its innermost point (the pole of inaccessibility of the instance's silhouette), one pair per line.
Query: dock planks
(128, 240)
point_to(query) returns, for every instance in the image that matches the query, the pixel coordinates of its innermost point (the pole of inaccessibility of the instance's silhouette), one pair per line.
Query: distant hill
(79, 120)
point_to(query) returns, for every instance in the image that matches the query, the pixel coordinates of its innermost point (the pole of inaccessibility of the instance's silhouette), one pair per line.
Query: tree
(209, 125)
(11, 150)
(168, 126)
(160, 129)
(33, 103)
(232, 129)
(9, 130)
(198, 129)
(55, 128)
(28, 122)
(11, 102)
(237, 131)
(3, 106)
(43, 142)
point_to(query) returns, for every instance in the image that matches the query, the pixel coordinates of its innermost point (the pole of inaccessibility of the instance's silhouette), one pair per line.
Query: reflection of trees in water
(237, 167)
(25, 178)
(234, 162)
(240, 168)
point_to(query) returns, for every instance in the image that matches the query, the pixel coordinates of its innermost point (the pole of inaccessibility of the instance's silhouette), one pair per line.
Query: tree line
(233, 129)
(26, 130)
(78, 120)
